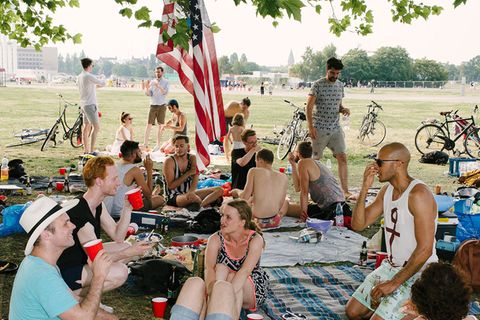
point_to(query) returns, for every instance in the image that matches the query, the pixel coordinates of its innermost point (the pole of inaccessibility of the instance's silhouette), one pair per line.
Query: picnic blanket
(339, 245)
(318, 292)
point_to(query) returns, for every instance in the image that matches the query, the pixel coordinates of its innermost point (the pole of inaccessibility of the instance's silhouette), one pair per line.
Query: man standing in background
(87, 84)
(324, 104)
(157, 90)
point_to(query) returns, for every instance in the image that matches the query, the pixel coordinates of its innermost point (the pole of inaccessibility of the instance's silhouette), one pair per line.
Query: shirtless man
(235, 107)
(410, 214)
(265, 191)
(181, 179)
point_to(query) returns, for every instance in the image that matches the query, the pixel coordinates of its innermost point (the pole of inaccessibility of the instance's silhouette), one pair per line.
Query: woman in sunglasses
(410, 216)
(124, 132)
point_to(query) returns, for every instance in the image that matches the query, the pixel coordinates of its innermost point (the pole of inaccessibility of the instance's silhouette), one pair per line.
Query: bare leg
(209, 195)
(221, 272)
(238, 294)
(96, 130)
(148, 128)
(357, 311)
(343, 172)
(284, 209)
(87, 129)
(226, 148)
(116, 277)
(157, 201)
(294, 210)
(222, 300)
(192, 296)
(159, 134)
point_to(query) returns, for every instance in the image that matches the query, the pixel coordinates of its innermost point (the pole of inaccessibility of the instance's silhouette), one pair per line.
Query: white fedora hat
(39, 215)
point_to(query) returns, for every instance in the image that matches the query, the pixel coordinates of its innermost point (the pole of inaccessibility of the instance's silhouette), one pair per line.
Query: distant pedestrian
(262, 89)
(87, 84)
(270, 88)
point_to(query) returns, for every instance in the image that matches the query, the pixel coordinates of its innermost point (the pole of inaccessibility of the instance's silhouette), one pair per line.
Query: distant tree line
(135, 67)
(385, 64)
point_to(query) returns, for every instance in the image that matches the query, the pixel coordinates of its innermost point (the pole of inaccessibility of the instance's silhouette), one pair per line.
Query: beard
(137, 159)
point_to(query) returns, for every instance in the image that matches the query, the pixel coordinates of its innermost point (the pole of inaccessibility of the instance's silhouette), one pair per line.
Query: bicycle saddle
(445, 113)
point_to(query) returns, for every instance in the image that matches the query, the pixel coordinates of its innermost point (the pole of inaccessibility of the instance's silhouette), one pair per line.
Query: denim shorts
(180, 312)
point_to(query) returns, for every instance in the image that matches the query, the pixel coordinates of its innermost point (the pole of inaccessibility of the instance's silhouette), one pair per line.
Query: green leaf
(318, 8)
(77, 38)
(158, 24)
(456, 3)
(146, 24)
(142, 14)
(215, 28)
(74, 4)
(126, 12)
(275, 23)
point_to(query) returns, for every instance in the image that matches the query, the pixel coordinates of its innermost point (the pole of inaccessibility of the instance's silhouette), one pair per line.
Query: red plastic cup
(132, 229)
(92, 248)
(62, 171)
(135, 198)
(254, 316)
(159, 305)
(380, 257)
(59, 185)
(282, 170)
(99, 114)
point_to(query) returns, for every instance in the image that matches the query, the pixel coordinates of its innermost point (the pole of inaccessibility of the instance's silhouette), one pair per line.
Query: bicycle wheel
(76, 134)
(30, 133)
(430, 137)
(373, 133)
(285, 143)
(472, 144)
(50, 141)
(24, 142)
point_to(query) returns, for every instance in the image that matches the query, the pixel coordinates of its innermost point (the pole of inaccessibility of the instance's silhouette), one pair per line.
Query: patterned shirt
(327, 104)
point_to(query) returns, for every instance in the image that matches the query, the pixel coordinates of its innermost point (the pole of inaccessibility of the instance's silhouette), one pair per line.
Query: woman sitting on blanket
(124, 132)
(232, 262)
(439, 294)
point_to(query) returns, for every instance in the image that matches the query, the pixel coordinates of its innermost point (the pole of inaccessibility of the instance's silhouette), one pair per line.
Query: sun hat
(39, 215)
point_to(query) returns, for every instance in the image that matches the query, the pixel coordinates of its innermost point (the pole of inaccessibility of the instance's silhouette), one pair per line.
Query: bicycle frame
(464, 132)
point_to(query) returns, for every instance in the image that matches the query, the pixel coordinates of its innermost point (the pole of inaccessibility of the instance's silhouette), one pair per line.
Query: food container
(180, 241)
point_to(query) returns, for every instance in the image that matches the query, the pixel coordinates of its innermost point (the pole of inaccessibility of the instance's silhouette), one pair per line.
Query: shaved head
(395, 150)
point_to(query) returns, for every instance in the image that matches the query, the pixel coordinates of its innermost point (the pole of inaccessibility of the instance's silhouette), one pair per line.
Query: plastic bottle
(4, 169)
(50, 186)
(346, 122)
(363, 254)
(339, 215)
(28, 186)
(329, 164)
(289, 169)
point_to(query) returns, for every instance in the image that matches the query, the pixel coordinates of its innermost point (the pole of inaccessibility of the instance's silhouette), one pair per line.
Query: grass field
(37, 107)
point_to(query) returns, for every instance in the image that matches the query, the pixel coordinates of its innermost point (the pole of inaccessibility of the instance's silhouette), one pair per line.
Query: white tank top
(399, 227)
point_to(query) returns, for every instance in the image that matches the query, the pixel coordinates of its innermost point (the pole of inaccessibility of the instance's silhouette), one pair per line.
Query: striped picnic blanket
(318, 292)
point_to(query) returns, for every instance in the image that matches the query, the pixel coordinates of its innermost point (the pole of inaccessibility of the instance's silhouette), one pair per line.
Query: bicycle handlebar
(376, 105)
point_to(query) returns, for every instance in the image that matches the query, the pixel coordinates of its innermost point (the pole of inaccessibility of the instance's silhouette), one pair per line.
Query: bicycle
(73, 133)
(28, 136)
(372, 131)
(431, 136)
(295, 131)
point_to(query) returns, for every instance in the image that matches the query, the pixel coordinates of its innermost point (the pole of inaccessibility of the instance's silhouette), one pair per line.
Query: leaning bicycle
(437, 136)
(372, 131)
(72, 133)
(293, 132)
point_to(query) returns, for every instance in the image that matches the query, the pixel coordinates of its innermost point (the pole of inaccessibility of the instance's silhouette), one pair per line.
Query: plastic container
(4, 169)
(462, 206)
(339, 222)
(444, 203)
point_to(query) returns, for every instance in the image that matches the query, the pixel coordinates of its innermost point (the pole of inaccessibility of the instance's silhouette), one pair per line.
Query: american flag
(198, 72)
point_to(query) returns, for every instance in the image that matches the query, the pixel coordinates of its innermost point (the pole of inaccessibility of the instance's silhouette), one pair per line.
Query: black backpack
(206, 222)
(434, 157)
(155, 275)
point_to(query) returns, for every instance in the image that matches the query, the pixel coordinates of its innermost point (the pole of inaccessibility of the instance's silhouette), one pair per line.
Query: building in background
(27, 63)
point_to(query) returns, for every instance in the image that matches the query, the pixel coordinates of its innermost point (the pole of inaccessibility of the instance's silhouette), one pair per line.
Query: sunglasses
(130, 118)
(380, 162)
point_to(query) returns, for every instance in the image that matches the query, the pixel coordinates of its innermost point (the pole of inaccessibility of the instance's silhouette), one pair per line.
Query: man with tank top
(410, 214)
(313, 178)
(181, 179)
(131, 176)
(90, 217)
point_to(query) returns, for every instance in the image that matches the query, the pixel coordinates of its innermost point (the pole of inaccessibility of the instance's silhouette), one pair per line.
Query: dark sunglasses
(380, 161)
(130, 118)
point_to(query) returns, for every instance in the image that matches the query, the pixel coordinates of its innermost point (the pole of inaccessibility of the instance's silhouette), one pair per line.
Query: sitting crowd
(56, 279)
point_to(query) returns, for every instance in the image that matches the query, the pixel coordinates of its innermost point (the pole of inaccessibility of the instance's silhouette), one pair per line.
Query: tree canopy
(30, 22)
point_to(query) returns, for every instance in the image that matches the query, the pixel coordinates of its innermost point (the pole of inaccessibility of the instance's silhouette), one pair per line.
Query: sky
(451, 37)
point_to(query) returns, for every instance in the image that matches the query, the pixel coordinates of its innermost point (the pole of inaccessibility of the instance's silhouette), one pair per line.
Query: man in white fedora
(39, 291)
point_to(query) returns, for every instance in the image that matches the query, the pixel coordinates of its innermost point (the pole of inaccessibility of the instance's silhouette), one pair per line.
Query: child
(234, 135)
(124, 132)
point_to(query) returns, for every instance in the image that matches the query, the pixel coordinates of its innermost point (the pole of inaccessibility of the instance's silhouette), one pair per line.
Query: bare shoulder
(213, 241)
(421, 200)
(257, 241)
(421, 192)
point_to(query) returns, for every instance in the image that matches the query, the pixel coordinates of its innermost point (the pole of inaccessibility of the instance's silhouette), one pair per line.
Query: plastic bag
(11, 219)
(468, 227)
